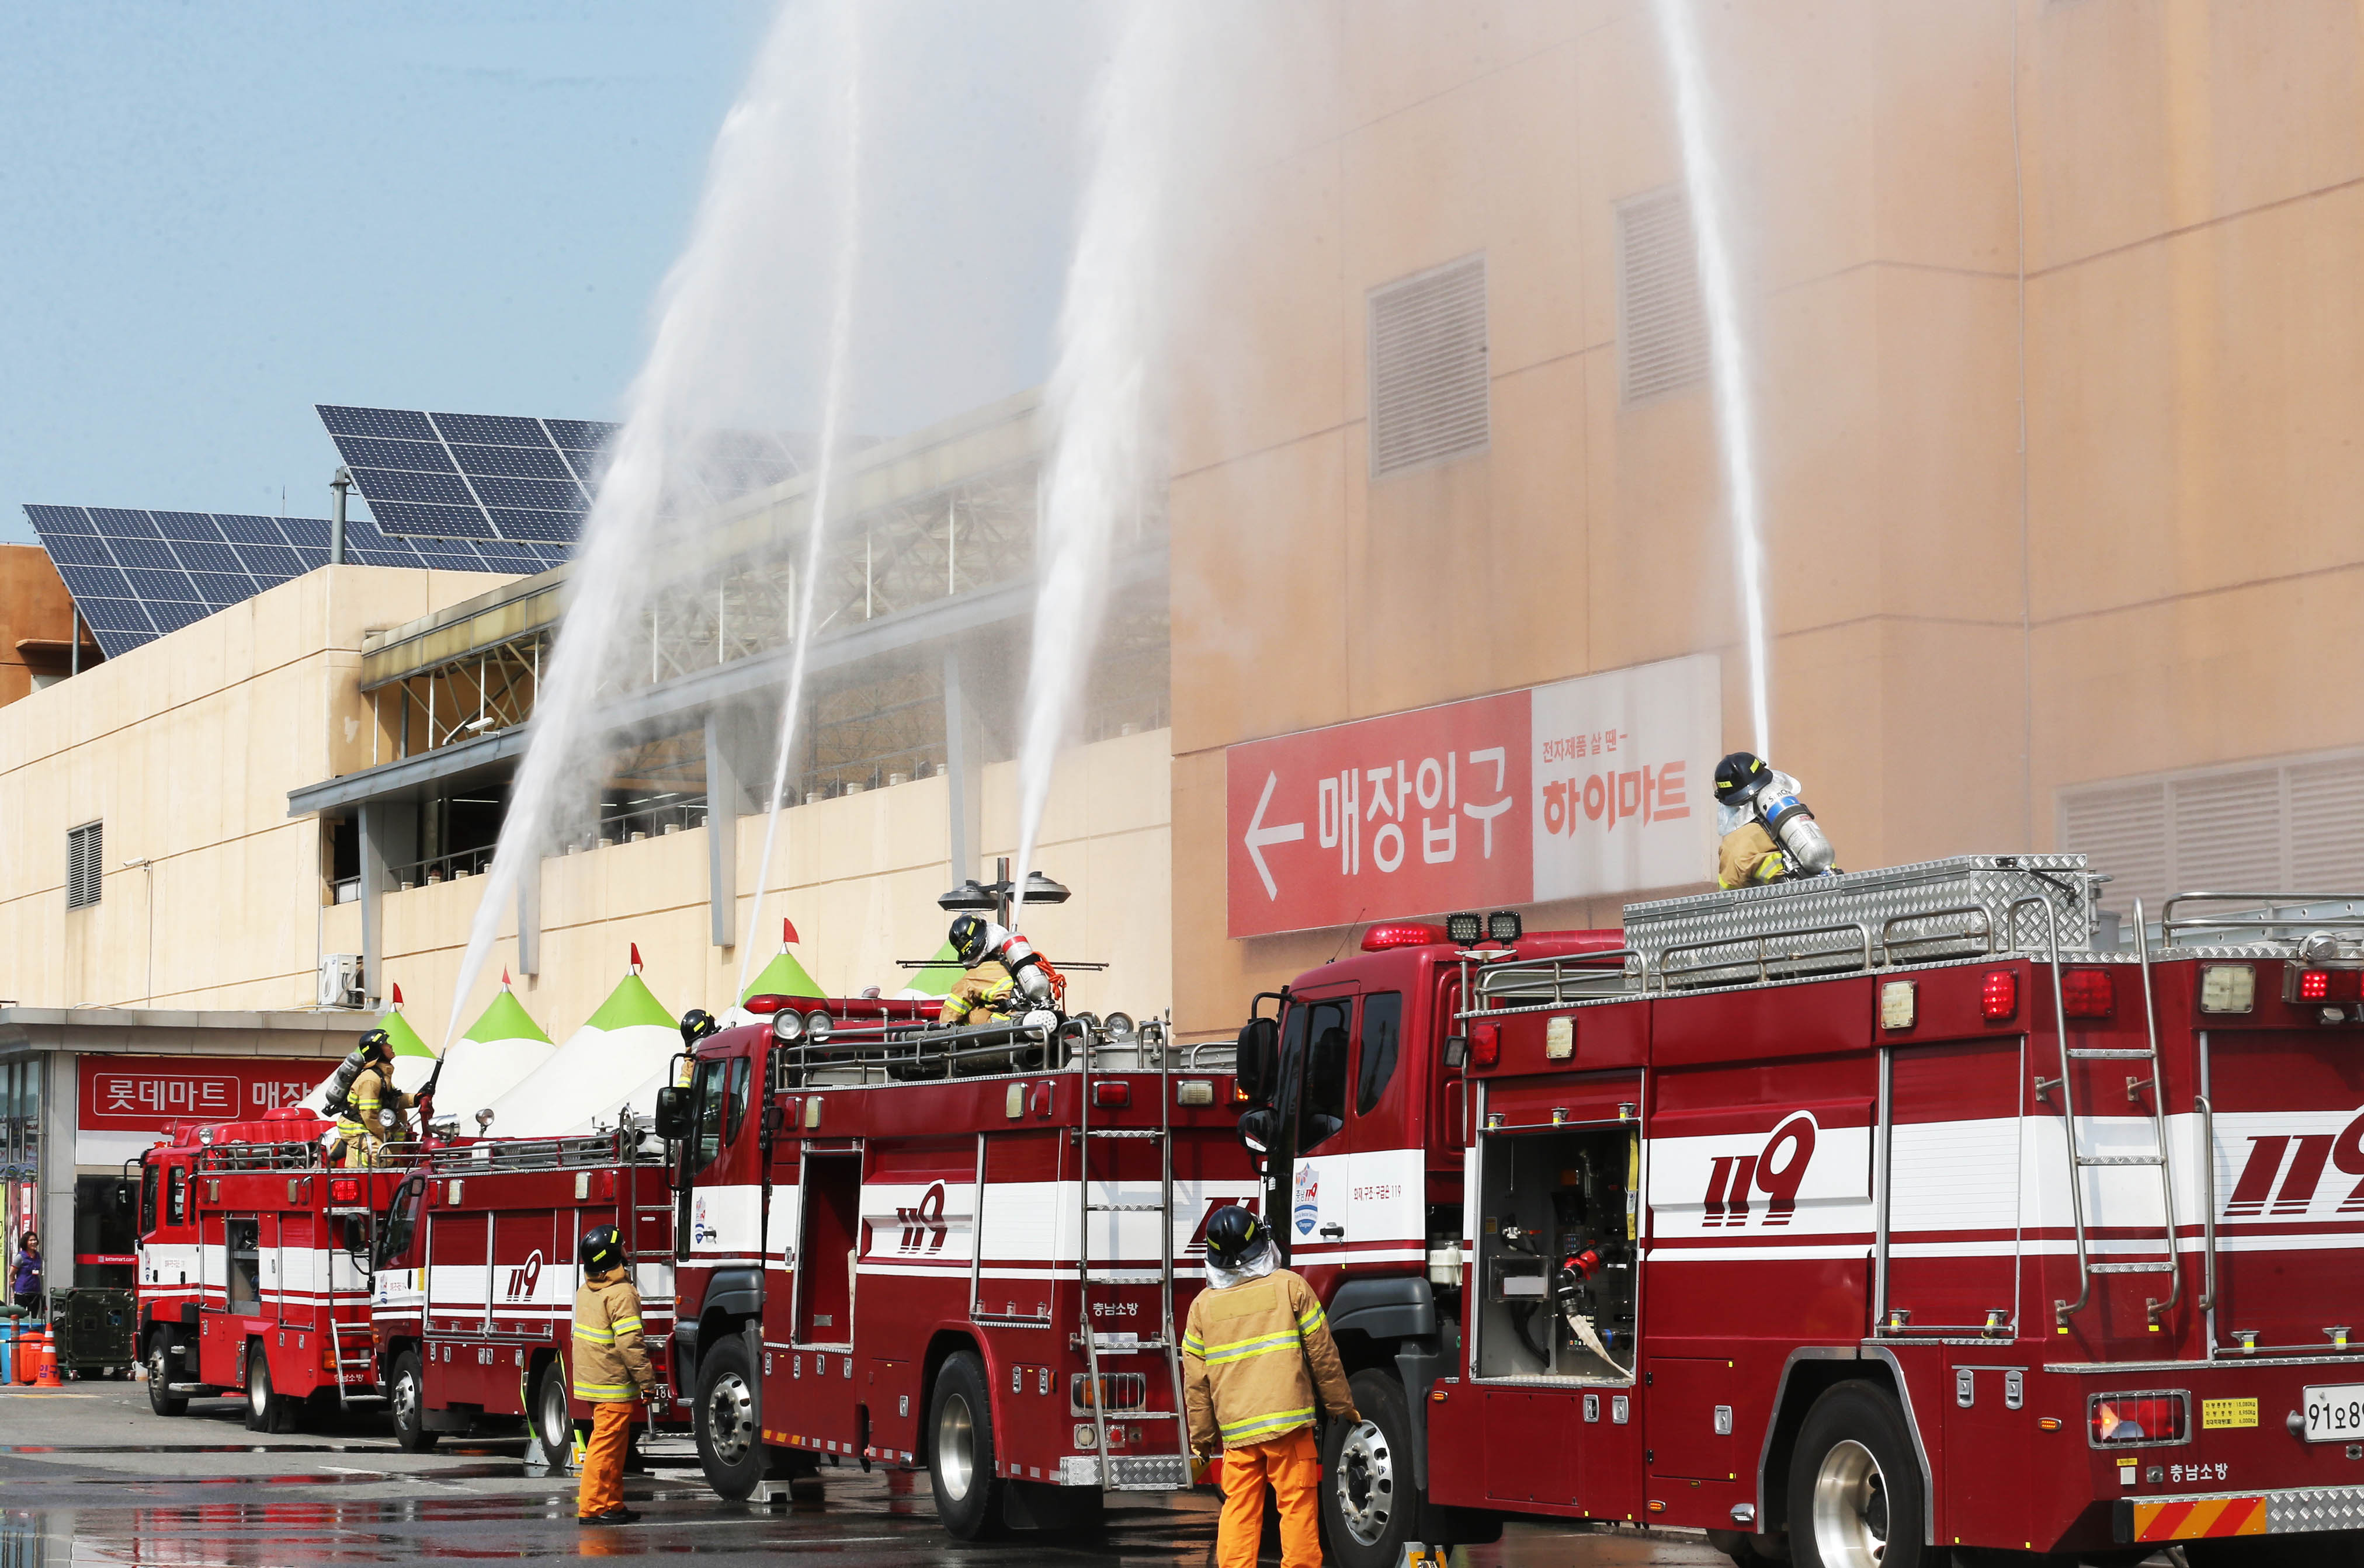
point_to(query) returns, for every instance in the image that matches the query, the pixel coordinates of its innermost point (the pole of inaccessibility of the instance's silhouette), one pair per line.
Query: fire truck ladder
(1142, 1471)
(2156, 1157)
(361, 1360)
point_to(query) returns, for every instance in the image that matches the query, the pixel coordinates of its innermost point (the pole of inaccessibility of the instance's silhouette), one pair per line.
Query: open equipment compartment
(1555, 1252)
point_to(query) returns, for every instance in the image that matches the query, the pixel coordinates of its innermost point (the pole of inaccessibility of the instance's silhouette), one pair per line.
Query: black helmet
(1235, 1237)
(603, 1248)
(696, 1024)
(968, 939)
(377, 1041)
(1739, 776)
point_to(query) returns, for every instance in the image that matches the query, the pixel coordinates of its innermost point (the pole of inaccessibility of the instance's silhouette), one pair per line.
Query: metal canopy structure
(137, 574)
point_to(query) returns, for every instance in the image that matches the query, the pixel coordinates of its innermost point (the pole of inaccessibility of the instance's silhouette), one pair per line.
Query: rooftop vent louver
(1662, 329)
(1428, 368)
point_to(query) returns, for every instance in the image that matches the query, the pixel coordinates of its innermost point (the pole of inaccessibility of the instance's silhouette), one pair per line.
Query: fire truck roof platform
(889, 1051)
(1960, 910)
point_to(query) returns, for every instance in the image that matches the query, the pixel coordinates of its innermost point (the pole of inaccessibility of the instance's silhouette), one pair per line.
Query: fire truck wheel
(406, 1401)
(1369, 1507)
(553, 1426)
(729, 1445)
(960, 1448)
(160, 1376)
(1854, 1485)
(267, 1409)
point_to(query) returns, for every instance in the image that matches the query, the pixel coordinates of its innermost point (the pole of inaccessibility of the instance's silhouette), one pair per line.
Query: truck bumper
(2299, 1510)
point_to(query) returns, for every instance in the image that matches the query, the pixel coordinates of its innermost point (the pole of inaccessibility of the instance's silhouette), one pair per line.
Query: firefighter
(987, 992)
(376, 1113)
(1255, 1334)
(612, 1374)
(1764, 833)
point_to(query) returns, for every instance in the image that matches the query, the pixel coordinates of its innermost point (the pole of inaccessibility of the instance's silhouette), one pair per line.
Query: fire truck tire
(961, 1462)
(267, 1409)
(730, 1442)
(1369, 1507)
(1854, 1485)
(552, 1427)
(406, 1401)
(160, 1376)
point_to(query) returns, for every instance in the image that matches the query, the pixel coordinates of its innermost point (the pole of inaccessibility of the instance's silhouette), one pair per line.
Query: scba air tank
(1794, 829)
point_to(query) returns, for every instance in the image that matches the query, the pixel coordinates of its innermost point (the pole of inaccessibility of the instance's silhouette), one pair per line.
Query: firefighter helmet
(696, 1024)
(1739, 776)
(376, 1042)
(1235, 1237)
(970, 935)
(602, 1250)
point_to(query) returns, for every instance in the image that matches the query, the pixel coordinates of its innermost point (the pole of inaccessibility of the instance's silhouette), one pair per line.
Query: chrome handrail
(2266, 920)
(1664, 968)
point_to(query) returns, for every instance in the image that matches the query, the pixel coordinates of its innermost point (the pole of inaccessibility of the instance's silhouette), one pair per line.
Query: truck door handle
(1333, 1230)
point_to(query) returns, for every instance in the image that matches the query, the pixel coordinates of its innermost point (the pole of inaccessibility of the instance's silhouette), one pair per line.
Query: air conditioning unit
(340, 980)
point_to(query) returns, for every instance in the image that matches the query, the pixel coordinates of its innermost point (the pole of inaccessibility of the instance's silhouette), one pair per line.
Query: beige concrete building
(2056, 328)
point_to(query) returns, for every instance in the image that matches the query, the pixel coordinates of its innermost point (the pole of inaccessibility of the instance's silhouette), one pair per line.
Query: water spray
(1705, 183)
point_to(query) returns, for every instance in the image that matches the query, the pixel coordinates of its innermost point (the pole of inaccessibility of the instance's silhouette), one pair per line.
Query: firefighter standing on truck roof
(612, 1374)
(1764, 833)
(376, 1112)
(1255, 1334)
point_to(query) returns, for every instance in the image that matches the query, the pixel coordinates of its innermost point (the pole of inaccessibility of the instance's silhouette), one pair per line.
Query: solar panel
(136, 575)
(485, 477)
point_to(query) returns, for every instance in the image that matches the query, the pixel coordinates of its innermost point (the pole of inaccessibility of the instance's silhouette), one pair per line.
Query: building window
(86, 865)
(1661, 325)
(1428, 368)
(2294, 827)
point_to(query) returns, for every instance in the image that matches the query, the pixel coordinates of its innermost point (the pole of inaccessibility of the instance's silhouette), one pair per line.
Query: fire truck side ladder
(2157, 1158)
(1142, 1471)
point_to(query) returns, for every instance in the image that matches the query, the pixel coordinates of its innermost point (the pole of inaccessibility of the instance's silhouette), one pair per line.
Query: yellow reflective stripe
(594, 1336)
(1312, 1317)
(603, 1391)
(1279, 1420)
(1240, 1349)
(1195, 1345)
(626, 1325)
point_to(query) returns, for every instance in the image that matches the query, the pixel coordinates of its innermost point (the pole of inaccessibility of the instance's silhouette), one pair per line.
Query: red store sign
(1596, 785)
(148, 1094)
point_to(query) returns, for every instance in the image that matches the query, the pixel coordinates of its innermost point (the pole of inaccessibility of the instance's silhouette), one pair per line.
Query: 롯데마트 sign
(1596, 785)
(148, 1094)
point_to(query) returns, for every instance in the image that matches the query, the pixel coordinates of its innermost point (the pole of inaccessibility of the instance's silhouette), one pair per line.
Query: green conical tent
(406, 1038)
(631, 1002)
(783, 976)
(505, 1019)
(943, 972)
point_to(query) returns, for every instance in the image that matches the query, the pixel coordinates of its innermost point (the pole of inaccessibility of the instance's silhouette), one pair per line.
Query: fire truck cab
(253, 1269)
(965, 1250)
(1853, 1220)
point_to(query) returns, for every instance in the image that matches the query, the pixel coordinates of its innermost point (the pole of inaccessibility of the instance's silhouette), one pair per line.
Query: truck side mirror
(673, 1113)
(1257, 1064)
(1258, 1131)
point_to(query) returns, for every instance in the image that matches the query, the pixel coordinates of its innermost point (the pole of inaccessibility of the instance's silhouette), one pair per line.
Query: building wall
(185, 750)
(2137, 227)
(858, 875)
(34, 607)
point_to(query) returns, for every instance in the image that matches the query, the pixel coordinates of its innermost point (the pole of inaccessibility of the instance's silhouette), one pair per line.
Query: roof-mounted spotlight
(968, 898)
(1464, 930)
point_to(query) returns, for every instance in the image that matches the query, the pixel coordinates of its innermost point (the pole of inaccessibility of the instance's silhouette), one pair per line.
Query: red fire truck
(949, 1249)
(253, 1269)
(1853, 1221)
(474, 1297)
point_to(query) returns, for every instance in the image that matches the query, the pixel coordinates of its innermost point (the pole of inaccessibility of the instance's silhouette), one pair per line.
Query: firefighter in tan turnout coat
(612, 1374)
(1257, 1356)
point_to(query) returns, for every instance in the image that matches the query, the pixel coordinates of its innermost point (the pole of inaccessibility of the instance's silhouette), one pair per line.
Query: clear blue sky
(213, 217)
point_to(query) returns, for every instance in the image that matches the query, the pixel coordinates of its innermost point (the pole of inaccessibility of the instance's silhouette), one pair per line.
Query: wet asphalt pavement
(90, 1476)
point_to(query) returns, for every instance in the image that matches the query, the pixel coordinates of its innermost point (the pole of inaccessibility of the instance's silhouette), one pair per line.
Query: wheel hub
(731, 1417)
(406, 1401)
(1367, 1484)
(1850, 1508)
(956, 1448)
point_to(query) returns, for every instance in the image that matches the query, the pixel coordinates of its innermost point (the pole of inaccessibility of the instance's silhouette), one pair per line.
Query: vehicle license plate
(2335, 1414)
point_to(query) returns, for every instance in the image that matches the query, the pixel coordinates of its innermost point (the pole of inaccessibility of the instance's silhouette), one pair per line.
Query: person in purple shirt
(25, 1278)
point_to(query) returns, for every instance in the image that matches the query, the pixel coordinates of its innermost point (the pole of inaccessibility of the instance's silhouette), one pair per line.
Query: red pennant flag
(397, 993)
(636, 958)
(505, 977)
(787, 933)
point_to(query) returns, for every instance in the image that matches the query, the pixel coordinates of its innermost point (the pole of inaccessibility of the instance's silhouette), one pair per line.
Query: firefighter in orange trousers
(1253, 1338)
(612, 1373)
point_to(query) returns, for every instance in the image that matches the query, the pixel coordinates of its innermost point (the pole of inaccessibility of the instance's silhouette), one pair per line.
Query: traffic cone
(29, 1355)
(50, 1378)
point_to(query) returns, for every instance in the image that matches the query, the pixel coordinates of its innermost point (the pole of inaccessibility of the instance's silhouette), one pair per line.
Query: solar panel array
(494, 476)
(136, 575)
(475, 476)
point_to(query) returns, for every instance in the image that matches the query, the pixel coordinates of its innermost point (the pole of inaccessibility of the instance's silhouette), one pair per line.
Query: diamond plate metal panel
(2313, 1508)
(1911, 914)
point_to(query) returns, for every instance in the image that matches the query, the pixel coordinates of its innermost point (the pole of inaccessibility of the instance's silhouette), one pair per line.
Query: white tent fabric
(476, 1073)
(591, 1079)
